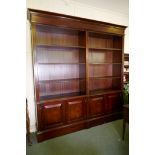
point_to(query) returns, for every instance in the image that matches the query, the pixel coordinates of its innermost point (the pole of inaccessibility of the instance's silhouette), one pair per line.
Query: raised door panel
(114, 102)
(75, 110)
(96, 106)
(53, 114)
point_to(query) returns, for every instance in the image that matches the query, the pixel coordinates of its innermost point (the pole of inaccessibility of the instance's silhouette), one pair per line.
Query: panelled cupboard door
(96, 106)
(114, 102)
(52, 114)
(75, 109)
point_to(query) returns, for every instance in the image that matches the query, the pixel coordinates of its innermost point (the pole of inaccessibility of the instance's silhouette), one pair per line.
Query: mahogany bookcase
(78, 72)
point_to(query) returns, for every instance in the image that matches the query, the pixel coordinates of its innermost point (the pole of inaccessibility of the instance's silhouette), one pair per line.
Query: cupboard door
(53, 114)
(75, 110)
(114, 102)
(96, 106)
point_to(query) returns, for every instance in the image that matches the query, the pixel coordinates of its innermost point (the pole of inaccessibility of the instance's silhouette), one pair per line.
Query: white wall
(73, 8)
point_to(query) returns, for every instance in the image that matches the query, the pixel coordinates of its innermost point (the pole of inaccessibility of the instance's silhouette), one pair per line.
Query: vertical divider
(34, 61)
(38, 108)
(122, 84)
(87, 77)
(87, 64)
(112, 63)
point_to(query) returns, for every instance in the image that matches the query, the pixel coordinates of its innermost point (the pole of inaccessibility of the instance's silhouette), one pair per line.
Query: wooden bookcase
(78, 72)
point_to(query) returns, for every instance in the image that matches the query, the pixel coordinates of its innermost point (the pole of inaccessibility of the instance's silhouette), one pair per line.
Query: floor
(104, 139)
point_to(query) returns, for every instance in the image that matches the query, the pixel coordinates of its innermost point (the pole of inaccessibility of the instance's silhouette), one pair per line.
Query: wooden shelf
(106, 49)
(60, 46)
(69, 63)
(62, 80)
(106, 77)
(104, 91)
(48, 97)
(106, 63)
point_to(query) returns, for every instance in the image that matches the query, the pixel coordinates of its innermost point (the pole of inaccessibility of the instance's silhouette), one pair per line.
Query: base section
(85, 124)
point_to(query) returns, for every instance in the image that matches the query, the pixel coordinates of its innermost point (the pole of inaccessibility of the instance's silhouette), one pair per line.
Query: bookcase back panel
(104, 41)
(58, 71)
(59, 87)
(117, 42)
(117, 57)
(60, 55)
(100, 41)
(64, 88)
(100, 70)
(96, 84)
(58, 36)
(105, 84)
(117, 69)
(116, 83)
(100, 56)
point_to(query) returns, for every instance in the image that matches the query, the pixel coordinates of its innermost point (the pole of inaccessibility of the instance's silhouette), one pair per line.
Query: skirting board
(62, 130)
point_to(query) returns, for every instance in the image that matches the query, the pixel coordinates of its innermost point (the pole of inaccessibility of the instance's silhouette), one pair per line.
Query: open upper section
(74, 56)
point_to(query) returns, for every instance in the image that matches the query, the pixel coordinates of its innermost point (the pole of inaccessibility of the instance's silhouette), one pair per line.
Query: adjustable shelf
(60, 46)
(104, 91)
(105, 63)
(105, 49)
(65, 63)
(106, 77)
(61, 80)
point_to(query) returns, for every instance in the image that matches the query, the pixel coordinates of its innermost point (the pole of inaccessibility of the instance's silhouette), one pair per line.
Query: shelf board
(60, 46)
(57, 96)
(103, 91)
(65, 63)
(61, 80)
(110, 49)
(106, 63)
(105, 77)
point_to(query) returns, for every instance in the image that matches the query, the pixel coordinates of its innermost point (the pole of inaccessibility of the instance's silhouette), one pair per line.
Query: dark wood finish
(125, 117)
(114, 102)
(76, 110)
(78, 72)
(53, 114)
(96, 106)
